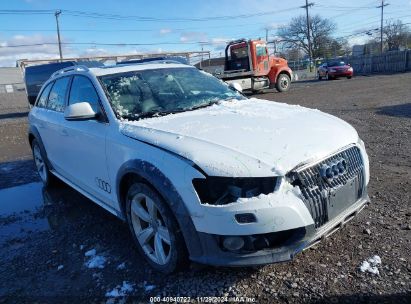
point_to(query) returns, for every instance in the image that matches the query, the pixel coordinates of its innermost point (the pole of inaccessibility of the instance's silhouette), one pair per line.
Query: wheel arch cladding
(148, 173)
(33, 133)
(283, 72)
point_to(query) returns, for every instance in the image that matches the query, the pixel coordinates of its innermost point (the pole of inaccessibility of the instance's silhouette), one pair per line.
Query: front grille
(315, 188)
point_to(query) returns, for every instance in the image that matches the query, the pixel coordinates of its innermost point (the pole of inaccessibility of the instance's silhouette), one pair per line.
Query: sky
(176, 25)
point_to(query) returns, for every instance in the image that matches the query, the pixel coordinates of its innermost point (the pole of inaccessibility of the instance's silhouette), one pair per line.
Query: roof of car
(107, 70)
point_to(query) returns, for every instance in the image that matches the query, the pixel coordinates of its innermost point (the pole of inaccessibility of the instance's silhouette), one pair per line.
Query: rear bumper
(213, 254)
(340, 74)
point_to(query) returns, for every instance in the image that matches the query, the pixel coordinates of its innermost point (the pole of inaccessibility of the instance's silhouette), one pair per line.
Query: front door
(262, 67)
(85, 156)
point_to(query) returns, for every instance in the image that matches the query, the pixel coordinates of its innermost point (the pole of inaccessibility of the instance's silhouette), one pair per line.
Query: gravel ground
(45, 233)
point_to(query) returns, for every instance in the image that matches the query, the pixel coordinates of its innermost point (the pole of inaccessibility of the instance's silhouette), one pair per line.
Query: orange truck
(247, 62)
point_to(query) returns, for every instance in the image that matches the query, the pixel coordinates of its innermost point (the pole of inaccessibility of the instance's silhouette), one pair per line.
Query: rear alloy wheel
(154, 229)
(283, 83)
(42, 169)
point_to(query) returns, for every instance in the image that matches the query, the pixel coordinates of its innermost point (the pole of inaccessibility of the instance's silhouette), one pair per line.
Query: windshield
(147, 93)
(336, 63)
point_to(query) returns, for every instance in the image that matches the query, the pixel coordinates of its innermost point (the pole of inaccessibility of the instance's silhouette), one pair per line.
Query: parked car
(334, 69)
(36, 75)
(197, 170)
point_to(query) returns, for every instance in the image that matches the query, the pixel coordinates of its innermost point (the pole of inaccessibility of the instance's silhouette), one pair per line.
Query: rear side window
(57, 94)
(82, 90)
(42, 101)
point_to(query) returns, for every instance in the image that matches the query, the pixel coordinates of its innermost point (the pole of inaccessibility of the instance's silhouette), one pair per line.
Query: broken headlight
(217, 190)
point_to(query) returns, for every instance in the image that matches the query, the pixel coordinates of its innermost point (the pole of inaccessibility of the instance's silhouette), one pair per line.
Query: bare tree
(294, 35)
(395, 34)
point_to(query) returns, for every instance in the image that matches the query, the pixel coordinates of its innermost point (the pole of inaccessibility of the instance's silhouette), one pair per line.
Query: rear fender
(33, 133)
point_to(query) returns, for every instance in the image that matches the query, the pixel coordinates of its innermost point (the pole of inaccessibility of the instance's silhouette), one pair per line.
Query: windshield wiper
(150, 114)
(204, 105)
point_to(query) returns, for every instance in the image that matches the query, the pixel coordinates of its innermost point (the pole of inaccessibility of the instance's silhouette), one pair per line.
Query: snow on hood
(246, 137)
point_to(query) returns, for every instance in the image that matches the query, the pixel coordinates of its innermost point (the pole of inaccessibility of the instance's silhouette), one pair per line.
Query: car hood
(247, 137)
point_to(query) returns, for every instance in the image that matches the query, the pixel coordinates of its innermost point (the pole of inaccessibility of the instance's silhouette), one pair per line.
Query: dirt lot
(44, 233)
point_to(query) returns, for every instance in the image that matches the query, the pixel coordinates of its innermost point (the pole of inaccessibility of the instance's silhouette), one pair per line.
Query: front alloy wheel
(154, 229)
(152, 234)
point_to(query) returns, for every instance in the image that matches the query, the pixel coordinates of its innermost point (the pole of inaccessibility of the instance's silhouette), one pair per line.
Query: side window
(261, 50)
(42, 101)
(57, 94)
(83, 90)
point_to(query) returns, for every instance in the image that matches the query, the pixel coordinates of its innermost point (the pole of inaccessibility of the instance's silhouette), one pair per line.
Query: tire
(154, 229)
(328, 77)
(40, 161)
(283, 83)
(319, 76)
(349, 77)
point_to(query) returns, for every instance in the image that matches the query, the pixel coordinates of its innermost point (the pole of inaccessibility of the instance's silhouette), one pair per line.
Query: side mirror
(79, 111)
(236, 86)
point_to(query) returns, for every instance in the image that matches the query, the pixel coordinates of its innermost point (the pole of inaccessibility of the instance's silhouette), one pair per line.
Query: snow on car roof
(135, 67)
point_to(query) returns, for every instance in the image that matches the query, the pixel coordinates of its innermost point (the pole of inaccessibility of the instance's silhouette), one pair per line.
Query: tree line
(293, 40)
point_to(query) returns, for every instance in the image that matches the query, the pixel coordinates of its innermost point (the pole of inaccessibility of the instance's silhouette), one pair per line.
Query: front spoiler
(213, 255)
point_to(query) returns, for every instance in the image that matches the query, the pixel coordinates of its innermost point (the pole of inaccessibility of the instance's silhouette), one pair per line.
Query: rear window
(57, 95)
(241, 52)
(336, 63)
(42, 101)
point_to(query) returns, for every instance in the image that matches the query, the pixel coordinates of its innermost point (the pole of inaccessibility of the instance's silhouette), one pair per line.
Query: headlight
(350, 69)
(366, 160)
(215, 190)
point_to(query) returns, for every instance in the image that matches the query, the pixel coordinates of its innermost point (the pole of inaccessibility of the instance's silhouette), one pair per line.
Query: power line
(130, 30)
(100, 43)
(87, 14)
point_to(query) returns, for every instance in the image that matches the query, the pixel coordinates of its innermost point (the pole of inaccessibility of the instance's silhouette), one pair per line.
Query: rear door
(38, 114)
(85, 152)
(36, 76)
(53, 124)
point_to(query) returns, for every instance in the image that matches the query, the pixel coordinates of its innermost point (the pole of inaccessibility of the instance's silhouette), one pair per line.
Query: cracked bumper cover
(212, 253)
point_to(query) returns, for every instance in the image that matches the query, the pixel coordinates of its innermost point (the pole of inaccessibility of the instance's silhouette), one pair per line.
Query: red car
(334, 69)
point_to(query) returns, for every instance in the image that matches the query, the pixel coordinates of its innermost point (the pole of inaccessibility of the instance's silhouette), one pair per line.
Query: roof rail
(79, 68)
(157, 61)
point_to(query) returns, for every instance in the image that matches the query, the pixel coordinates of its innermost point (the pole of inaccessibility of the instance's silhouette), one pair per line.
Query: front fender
(152, 175)
(275, 71)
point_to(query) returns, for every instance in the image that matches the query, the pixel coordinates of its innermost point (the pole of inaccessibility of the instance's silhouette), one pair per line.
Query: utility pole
(382, 21)
(266, 35)
(201, 62)
(310, 53)
(57, 14)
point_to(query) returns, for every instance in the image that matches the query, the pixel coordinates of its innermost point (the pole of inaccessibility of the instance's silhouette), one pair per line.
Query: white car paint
(246, 138)
(249, 138)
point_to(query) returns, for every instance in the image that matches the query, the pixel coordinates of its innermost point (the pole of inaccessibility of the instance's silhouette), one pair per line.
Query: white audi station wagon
(197, 170)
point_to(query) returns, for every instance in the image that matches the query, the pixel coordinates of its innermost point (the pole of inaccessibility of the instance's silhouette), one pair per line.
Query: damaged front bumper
(213, 253)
